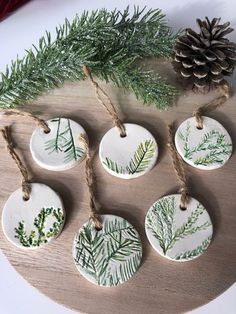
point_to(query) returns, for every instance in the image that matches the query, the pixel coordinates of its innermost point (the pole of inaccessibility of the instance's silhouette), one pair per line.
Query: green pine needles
(140, 161)
(40, 235)
(109, 256)
(160, 221)
(64, 142)
(213, 147)
(109, 43)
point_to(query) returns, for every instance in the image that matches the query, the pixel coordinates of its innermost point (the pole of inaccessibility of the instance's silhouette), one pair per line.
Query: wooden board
(160, 286)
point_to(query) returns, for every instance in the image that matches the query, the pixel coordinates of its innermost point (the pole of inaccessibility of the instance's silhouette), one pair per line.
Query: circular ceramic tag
(177, 234)
(131, 156)
(110, 256)
(207, 148)
(34, 223)
(60, 148)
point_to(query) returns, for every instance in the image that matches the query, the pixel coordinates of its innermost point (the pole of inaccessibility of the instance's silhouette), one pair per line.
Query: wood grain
(160, 286)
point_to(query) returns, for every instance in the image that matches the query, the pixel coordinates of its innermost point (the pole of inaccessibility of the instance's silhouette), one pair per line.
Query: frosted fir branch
(109, 43)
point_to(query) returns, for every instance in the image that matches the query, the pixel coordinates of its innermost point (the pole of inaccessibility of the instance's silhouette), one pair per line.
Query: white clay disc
(34, 223)
(60, 149)
(179, 235)
(110, 256)
(208, 148)
(131, 156)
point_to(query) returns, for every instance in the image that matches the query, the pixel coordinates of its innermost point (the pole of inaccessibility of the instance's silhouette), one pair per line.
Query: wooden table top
(160, 285)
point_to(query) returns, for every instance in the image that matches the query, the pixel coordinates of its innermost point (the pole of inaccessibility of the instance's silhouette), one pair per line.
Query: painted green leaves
(40, 234)
(138, 163)
(60, 149)
(209, 148)
(110, 256)
(34, 223)
(176, 234)
(131, 156)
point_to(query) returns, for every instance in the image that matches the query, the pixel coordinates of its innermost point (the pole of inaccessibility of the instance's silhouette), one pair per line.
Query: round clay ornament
(207, 148)
(130, 156)
(110, 256)
(177, 234)
(33, 223)
(60, 149)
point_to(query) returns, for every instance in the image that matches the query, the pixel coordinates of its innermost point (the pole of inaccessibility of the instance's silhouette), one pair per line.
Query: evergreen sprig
(109, 43)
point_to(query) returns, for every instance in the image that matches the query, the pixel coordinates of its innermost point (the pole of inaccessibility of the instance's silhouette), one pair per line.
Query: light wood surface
(159, 286)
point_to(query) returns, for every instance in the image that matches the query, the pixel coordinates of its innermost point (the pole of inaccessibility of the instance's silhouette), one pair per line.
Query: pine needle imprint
(40, 235)
(140, 161)
(64, 142)
(109, 256)
(161, 222)
(212, 147)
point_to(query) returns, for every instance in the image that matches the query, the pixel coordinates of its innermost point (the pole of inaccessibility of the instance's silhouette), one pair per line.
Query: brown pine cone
(202, 60)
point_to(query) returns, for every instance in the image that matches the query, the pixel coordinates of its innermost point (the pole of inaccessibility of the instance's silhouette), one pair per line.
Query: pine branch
(109, 43)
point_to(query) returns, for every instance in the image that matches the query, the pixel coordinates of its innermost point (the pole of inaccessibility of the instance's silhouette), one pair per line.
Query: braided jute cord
(18, 113)
(179, 168)
(214, 104)
(26, 188)
(93, 213)
(110, 107)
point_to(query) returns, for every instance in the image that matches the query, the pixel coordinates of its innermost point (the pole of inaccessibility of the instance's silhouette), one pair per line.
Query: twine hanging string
(179, 169)
(110, 107)
(93, 212)
(214, 104)
(18, 113)
(26, 188)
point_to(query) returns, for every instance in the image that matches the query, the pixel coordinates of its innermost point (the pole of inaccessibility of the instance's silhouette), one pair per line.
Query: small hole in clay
(123, 135)
(199, 128)
(182, 207)
(47, 132)
(98, 229)
(25, 198)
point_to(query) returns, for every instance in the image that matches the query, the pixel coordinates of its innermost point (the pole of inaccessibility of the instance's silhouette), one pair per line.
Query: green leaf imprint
(194, 253)
(160, 221)
(213, 147)
(110, 256)
(140, 161)
(40, 235)
(64, 142)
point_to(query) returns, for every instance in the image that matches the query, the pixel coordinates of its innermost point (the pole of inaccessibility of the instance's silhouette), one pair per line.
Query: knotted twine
(25, 184)
(110, 107)
(93, 212)
(214, 104)
(18, 113)
(179, 168)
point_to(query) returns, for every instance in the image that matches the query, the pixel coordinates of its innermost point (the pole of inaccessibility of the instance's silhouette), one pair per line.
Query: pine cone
(203, 59)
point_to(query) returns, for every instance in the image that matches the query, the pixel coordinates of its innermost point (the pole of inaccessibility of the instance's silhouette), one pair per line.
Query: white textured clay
(60, 149)
(207, 148)
(33, 223)
(131, 156)
(177, 234)
(110, 256)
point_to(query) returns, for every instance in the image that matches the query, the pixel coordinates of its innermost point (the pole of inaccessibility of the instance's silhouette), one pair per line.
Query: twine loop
(25, 183)
(110, 107)
(212, 105)
(18, 113)
(94, 216)
(179, 169)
